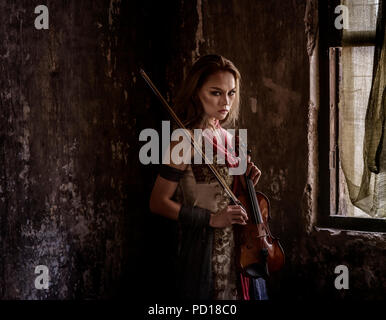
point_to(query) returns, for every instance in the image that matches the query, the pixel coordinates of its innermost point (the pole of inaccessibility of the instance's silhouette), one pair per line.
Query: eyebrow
(221, 89)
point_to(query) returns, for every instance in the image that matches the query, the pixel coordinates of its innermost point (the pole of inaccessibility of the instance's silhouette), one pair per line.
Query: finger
(249, 167)
(240, 214)
(244, 212)
(238, 208)
(239, 221)
(234, 207)
(258, 175)
(241, 207)
(235, 211)
(257, 178)
(252, 169)
(244, 216)
(255, 172)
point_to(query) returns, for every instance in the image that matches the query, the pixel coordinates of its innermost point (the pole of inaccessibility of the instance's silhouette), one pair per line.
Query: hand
(252, 171)
(228, 216)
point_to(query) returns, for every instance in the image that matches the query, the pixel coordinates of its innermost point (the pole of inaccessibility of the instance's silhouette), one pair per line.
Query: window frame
(330, 37)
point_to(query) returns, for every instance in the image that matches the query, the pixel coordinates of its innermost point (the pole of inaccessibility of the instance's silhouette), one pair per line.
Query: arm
(164, 187)
(161, 202)
(160, 199)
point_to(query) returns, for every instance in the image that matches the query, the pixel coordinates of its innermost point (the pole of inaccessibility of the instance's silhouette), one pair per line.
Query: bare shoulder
(180, 152)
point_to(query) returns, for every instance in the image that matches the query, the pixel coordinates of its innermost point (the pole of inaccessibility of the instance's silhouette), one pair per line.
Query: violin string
(251, 190)
(256, 210)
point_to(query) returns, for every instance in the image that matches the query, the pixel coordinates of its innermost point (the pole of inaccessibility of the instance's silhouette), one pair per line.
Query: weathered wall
(73, 195)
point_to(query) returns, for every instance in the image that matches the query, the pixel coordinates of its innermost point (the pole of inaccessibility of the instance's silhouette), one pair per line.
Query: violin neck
(254, 203)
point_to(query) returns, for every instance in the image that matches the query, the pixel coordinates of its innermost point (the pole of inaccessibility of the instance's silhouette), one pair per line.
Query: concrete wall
(73, 195)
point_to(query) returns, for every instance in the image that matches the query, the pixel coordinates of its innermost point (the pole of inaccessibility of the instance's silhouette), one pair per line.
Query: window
(346, 71)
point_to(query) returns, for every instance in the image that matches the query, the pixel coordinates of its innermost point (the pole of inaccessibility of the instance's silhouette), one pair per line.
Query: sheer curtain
(362, 102)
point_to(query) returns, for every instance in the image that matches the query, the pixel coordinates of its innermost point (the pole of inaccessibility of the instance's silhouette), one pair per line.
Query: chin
(222, 117)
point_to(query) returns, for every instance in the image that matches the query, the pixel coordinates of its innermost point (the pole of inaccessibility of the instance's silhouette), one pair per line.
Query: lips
(224, 111)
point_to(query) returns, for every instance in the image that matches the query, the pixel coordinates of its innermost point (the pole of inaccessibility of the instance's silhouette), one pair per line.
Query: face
(217, 95)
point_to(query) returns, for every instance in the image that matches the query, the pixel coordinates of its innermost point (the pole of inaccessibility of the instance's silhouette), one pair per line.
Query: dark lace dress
(199, 187)
(207, 264)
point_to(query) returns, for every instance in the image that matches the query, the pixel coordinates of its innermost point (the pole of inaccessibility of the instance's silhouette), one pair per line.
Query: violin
(258, 252)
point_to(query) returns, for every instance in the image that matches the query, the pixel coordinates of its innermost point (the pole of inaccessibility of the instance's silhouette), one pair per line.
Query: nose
(225, 100)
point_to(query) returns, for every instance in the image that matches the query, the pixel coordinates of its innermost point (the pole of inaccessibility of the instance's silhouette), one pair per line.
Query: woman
(190, 194)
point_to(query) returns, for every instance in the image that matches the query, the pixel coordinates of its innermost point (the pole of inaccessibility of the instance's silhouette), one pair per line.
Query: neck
(210, 123)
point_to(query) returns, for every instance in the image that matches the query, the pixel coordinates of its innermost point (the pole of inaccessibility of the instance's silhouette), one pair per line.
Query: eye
(216, 93)
(232, 93)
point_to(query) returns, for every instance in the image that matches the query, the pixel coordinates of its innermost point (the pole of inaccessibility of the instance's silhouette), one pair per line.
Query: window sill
(339, 223)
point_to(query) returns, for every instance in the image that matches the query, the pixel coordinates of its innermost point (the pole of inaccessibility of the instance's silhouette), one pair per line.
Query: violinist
(189, 193)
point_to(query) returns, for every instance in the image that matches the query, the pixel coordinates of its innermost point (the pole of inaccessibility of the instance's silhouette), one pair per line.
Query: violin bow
(193, 142)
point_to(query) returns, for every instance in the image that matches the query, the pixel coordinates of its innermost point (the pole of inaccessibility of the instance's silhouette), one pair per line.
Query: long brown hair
(188, 105)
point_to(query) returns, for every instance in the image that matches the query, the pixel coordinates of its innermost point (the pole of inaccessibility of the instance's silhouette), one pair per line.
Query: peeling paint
(278, 182)
(199, 37)
(119, 151)
(253, 103)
